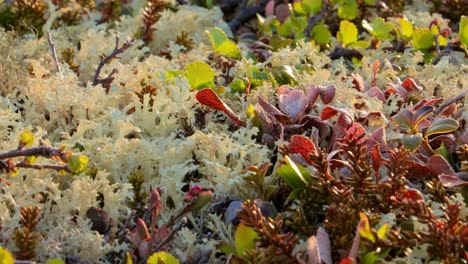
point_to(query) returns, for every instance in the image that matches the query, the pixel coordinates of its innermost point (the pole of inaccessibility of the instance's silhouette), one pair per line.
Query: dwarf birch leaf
(406, 29)
(6, 257)
(382, 232)
(348, 33)
(217, 37)
(423, 39)
(78, 163)
(230, 49)
(162, 257)
(26, 138)
(463, 33)
(237, 86)
(349, 10)
(321, 34)
(379, 28)
(199, 75)
(312, 6)
(245, 238)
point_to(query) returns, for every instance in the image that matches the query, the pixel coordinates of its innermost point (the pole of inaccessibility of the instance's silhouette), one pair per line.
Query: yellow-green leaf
(78, 163)
(162, 257)
(199, 75)
(55, 261)
(245, 238)
(348, 33)
(406, 29)
(6, 257)
(26, 138)
(379, 28)
(222, 44)
(463, 33)
(382, 232)
(423, 39)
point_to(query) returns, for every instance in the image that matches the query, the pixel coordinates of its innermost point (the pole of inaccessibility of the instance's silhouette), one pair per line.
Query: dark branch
(107, 81)
(44, 166)
(246, 14)
(44, 151)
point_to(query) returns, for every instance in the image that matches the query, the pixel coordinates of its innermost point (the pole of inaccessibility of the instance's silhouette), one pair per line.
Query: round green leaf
(412, 141)
(199, 75)
(379, 28)
(312, 6)
(162, 257)
(230, 49)
(463, 33)
(348, 33)
(245, 238)
(321, 34)
(423, 39)
(222, 44)
(349, 10)
(442, 126)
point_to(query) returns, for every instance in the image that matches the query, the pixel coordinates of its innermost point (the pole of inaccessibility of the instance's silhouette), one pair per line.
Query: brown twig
(44, 166)
(44, 151)
(108, 80)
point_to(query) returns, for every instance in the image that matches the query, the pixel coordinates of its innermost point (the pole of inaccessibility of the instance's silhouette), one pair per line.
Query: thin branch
(54, 54)
(246, 14)
(106, 81)
(171, 235)
(44, 166)
(44, 151)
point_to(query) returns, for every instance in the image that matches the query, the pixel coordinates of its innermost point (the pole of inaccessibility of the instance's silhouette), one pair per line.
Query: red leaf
(312, 94)
(327, 94)
(270, 8)
(412, 194)
(438, 165)
(451, 181)
(374, 91)
(209, 98)
(410, 85)
(282, 12)
(302, 145)
(377, 160)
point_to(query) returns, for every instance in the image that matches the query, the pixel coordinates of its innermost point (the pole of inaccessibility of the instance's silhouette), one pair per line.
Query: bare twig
(44, 151)
(54, 54)
(246, 14)
(55, 167)
(171, 235)
(107, 81)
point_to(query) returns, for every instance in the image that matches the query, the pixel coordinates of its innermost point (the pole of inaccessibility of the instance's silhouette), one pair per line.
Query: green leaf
(379, 28)
(412, 141)
(284, 74)
(55, 261)
(369, 258)
(348, 33)
(312, 6)
(406, 29)
(463, 33)
(349, 10)
(245, 238)
(382, 232)
(230, 49)
(6, 257)
(293, 174)
(423, 39)
(237, 86)
(222, 44)
(442, 126)
(78, 163)
(162, 257)
(321, 34)
(26, 138)
(199, 75)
